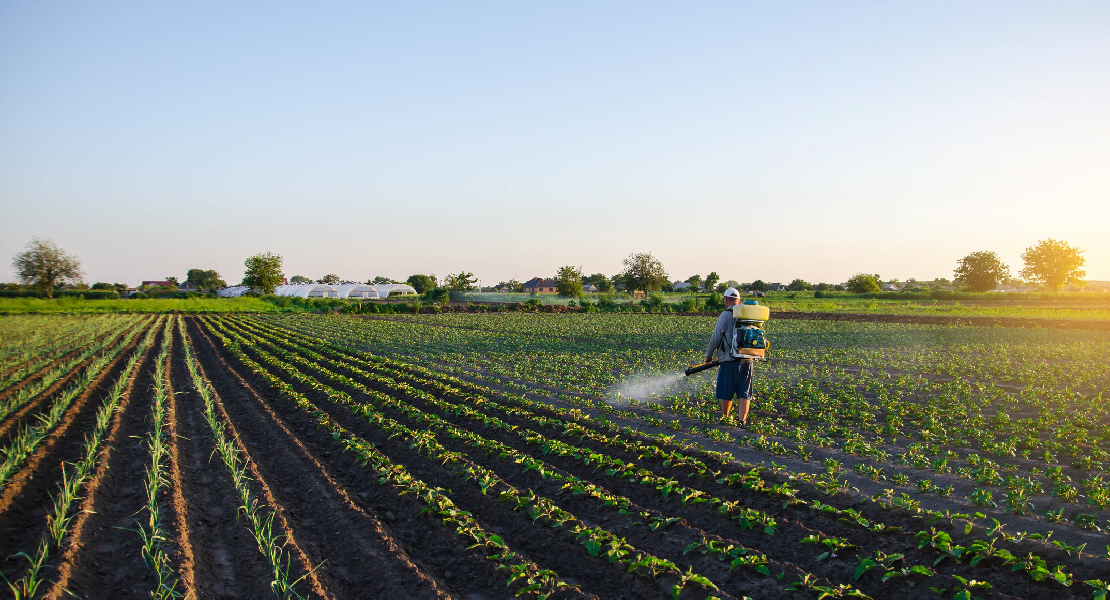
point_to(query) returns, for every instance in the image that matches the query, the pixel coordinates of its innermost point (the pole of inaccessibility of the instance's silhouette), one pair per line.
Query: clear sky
(767, 140)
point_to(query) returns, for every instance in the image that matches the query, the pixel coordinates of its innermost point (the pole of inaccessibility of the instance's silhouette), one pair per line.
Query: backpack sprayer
(749, 340)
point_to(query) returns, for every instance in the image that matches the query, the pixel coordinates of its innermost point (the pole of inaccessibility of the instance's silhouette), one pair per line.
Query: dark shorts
(734, 378)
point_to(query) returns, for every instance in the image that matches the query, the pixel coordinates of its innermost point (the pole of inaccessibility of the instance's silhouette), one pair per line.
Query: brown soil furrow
(23, 492)
(184, 558)
(355, 554)
(542, 544)
(265, 493)
(225, 561)
(102, 555)
(8, 427)
(72, 543)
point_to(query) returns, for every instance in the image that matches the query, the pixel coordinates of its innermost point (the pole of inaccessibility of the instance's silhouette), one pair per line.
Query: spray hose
(702, 367)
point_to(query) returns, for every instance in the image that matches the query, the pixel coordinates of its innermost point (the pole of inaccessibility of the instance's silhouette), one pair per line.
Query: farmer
(735, 375)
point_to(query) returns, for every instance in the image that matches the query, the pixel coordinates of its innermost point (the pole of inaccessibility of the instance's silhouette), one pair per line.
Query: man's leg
(743, 404)
(745, 371)
(726, 386)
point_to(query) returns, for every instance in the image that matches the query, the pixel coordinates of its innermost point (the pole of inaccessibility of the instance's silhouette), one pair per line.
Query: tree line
(44, 267)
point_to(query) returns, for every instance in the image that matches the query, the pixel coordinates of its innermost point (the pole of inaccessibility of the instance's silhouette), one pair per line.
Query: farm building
(187, 287)
(356, 290)
(152, 283)
(536, 285)
(233, 292)
(307, 290)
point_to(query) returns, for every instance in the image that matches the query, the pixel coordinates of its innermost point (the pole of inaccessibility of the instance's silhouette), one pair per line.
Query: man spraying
(735, 376)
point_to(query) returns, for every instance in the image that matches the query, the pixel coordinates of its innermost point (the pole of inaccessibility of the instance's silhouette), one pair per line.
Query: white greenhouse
(385, 289)
(356, 290)
(307, 290)
(233, 292)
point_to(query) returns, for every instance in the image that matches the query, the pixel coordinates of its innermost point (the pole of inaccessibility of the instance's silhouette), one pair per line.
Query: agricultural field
(546, 456)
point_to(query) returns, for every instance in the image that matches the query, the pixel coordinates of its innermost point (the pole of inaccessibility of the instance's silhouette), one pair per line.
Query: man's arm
(715, 340)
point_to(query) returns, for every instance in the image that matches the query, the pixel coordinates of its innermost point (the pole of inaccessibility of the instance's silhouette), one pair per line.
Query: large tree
(420, 283)
(600, 281)
(205, 279)
(263, 272)
(463, 281)
(43, 265)
(711, 281)
(643, 271)
(862, 283)
(798, 285)
(299, 279)
(981, 271)
(1053, 264)
(759, 286)
(568, 281)
(380, 279)
(329, 279)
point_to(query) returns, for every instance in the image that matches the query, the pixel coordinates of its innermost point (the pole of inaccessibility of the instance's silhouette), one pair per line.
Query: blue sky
(759, 140)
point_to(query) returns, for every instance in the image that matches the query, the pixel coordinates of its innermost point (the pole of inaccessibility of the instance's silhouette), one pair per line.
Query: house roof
(160, 283)
(538, 282)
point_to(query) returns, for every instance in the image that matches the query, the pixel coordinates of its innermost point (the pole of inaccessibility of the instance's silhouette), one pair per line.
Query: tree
(299, 279)
(798, 285)
(711, 280)
(329, 279)
(1053, 263)
(644, 272)
(822, 287)
(172, 279)
(981, 271)
(380, 279)
(862, 283)
(695, 282)
(462, 282)
(44, 265)
(600, 281)
(568, 281)
(205, 280)
(759, 286)
(420, 283)
(100, 285)
(263, 272)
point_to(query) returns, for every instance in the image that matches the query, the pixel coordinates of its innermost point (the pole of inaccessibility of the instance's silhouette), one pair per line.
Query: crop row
(28, 437)
(37, 384)
(74, 476)
(1038, 570)
(854, 413)
(522, 572)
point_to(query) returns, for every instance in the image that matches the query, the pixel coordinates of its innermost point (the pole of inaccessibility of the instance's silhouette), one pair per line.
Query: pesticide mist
(643, 387)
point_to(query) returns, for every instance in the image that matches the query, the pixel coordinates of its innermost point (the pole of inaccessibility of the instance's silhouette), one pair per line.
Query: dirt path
(356, 553)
